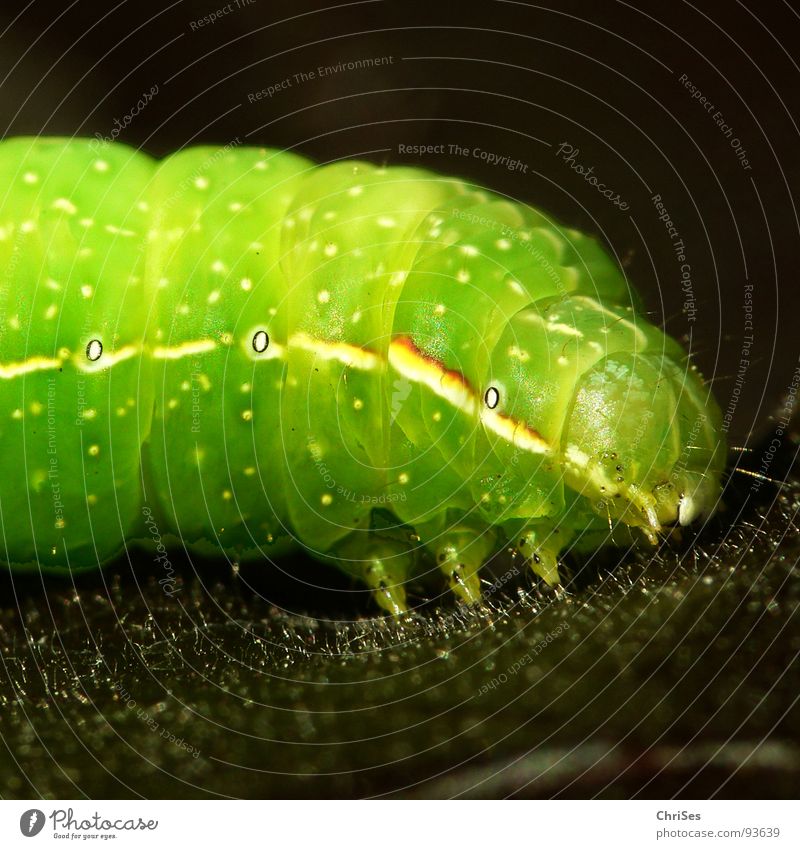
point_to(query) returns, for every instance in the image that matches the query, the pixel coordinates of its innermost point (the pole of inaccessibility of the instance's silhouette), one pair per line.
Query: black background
(516, 79)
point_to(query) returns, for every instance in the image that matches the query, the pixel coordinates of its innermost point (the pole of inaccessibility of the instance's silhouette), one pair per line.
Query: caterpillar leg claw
(385, 569)
(541, 545)
(460, 553)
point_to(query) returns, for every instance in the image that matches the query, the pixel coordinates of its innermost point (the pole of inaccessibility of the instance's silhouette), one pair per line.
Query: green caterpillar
(396, 370)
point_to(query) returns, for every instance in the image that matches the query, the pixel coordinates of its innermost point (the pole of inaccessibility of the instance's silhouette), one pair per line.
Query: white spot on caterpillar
(218, 266)
(324, 296)
(518, 354)
(331, 249)
(398, 278)
(462, 276)
(119, 231)
(213, 296)
(94, 450)
(246, 283)
(201, 183)
(235, 206)
(86, 291)
(100, 165)
(51, 312)
(469, 250)
(386, 221)
(327, 499)
(355, 191)
(30, 178)
(27, 226)
(503, 245)
(65, 205)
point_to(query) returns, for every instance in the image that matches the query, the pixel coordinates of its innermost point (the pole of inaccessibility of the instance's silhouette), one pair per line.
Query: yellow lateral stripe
(27, 366)
(454, 388)
(275, 351)
(404, 357)
(187, 349)
(108, 360)
(350, 355)
(517, 433)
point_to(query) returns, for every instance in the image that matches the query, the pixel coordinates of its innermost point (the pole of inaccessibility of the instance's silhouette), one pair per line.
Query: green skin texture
(227, 449)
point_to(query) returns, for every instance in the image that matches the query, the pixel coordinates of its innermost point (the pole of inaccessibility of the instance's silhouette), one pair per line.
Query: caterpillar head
(640, 442)
(581, 395)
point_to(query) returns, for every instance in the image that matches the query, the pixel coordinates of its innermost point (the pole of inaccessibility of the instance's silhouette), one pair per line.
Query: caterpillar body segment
(398, 371)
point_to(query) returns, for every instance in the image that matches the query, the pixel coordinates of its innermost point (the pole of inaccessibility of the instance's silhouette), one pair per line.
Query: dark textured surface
(678, 676)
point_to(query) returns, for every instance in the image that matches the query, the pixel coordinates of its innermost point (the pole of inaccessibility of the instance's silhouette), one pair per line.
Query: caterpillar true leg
(460, 551)
(541, 544)
(382, 562)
